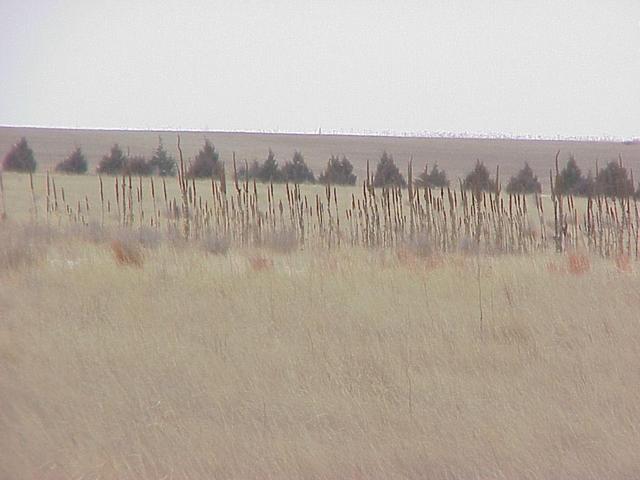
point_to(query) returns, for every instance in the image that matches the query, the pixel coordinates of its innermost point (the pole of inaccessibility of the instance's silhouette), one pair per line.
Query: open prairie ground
(350, 363)
(226, 332)
(456, 156)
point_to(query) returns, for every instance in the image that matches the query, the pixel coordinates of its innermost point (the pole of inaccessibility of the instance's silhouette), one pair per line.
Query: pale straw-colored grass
(347, 364)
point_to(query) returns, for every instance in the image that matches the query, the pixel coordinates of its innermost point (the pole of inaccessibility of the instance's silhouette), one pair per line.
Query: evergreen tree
(297, 170)
(479, 180)
(138, 165)
(613, 181)
(587, 185)
(269, 170)
(74, 163)
(524, 182)
(254, 169)
(339, 172)
(114, 163)
(20, 158)
(437, 178)
(569, 181)
(387, 173)
(164, 163)
(206, 163)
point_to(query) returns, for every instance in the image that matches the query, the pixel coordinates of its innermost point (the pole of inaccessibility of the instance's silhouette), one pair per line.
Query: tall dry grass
(351, 363)
(291, 217)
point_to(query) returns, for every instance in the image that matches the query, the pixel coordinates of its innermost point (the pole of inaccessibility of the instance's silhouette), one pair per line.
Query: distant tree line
(117, 163)
(339, 171)
(295, 170)
(613, 180)
(21, 159)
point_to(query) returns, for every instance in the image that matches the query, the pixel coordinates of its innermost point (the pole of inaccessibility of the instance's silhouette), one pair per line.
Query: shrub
(74, 163)
(206, 164)
(524, 182)
(164, 163)
(266, 172)
(270, 171)
(252, 172)
(570, 180)
(20, 158)
(613, 181)
(479, 180)
(338, 172)
(138, 165)
(435, 179)
(387, 173)
(297, 170)
(114, 163)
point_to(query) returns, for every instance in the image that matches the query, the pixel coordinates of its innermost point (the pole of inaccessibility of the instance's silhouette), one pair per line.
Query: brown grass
(624, 263)
(578, 263)
(260, 263)
(194, 368)
(126, 253)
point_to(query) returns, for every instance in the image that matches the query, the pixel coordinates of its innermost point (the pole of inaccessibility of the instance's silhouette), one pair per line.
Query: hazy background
(568, 68)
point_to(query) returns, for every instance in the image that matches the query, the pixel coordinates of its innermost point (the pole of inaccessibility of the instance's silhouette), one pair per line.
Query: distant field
(455, 155)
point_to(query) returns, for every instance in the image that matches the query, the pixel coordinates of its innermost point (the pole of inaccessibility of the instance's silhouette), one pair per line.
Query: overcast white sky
(569, 68)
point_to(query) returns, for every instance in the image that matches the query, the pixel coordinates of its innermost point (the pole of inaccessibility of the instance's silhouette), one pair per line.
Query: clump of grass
(421, 246)
(22, 246)
(127, 252)
(467, 245)
(259, 263)
(578, 263)
(623, 263)
(148, 237)
(174, 237)
(554, 267)
(92, 232)
(15, 254)
(215, 244)
(282, 241)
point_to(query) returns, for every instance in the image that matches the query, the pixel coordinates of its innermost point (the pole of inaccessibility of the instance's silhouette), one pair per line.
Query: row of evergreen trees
(117, 163)
(21, 159)
(613, 180)
(339, 171)
(206, 164)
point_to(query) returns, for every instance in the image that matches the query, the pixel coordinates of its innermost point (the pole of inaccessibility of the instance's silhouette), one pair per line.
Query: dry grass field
(457, 156)
(353, 363)
(367, 336)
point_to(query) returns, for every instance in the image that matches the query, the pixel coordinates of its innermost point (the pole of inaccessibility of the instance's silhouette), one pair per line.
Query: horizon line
(425, 134)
